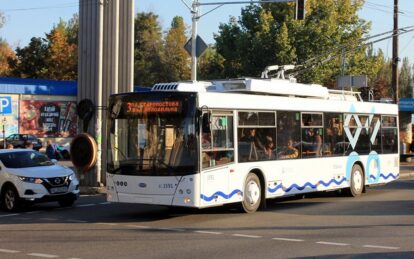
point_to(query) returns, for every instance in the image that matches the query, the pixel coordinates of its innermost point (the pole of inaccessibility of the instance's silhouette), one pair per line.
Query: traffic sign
(201, 46)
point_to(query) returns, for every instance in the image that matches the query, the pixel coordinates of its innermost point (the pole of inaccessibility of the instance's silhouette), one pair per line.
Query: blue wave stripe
(307, 184)
(385, 177)
(221, 194)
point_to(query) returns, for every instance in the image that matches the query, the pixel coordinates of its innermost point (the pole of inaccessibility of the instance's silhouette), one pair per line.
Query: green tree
(406, 79)
(148, 49)
(268, 34)
(61, 58)
(210, 65)
(30, 60)
(176, 59)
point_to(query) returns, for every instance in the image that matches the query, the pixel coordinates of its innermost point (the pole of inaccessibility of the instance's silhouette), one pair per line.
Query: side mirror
(206, 123)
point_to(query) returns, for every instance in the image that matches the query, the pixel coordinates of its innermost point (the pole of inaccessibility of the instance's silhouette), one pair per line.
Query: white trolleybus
(204, 144)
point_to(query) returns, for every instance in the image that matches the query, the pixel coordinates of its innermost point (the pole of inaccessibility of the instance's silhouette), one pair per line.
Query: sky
(27, 18)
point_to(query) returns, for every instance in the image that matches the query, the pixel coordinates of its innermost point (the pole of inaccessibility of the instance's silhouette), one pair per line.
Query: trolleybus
(204, 144)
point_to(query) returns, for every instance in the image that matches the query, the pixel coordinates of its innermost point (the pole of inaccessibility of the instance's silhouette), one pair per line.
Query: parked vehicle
(28, 176)
(19, 141)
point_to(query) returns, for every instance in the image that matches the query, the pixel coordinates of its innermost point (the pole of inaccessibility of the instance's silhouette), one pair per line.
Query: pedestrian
(28, 145)
(51, 150)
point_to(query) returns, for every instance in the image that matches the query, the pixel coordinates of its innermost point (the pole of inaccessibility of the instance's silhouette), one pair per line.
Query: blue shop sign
(406, 105)
(5, 105)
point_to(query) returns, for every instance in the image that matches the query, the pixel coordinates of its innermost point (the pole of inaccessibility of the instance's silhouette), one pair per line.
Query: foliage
(6, 54)
(30, 61)
(53, 57)
(268, 34)
(175, 57)
(148, 47)
(61, 57)
(406, 79)
(210, 65)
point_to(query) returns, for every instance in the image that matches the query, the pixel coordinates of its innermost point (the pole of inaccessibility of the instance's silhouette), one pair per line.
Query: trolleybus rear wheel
(356, 185)
(252, 195)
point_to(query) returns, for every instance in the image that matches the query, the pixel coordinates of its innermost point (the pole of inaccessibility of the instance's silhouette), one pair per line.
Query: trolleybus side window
(333, 137)
(375, 134)
(288, 135)
(312, 134)
(218, 146)
(389, 134)
(257, 136)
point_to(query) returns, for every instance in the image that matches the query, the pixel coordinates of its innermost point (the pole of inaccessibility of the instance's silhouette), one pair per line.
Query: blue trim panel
(221, 194)
(37, 86)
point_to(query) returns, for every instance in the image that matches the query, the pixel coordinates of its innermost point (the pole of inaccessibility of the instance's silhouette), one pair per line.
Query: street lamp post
(4, 131)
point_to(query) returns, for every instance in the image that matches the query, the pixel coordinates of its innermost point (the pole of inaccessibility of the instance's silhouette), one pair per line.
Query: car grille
(56, 182)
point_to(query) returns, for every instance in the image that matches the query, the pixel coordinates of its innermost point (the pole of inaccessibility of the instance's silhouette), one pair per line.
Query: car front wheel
(10, 199)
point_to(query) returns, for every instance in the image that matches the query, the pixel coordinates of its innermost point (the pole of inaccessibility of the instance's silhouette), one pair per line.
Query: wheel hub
(253, 192)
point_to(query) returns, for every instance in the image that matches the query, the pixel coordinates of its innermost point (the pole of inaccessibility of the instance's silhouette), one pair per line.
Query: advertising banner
(9, 112)
(48, 118)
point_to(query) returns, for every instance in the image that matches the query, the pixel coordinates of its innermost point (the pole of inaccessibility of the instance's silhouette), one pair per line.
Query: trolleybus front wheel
(252, 193)
(356, 185)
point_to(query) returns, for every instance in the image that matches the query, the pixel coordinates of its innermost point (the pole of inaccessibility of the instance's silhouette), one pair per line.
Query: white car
(27, 176)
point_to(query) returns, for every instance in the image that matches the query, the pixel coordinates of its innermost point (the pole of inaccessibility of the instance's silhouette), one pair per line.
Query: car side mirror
(206, 123)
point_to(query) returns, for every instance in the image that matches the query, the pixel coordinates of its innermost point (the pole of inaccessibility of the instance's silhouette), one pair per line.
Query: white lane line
(43, 255)
(249, 236)
(105, 203)
(108, 224)
(332, 243)
(9, 215)
(138, 226)
(208, 232)
(86, 205)
(76, 221)
(9, 251)
(172, 229)
(32, 212)
(288, 239)
(381, 247)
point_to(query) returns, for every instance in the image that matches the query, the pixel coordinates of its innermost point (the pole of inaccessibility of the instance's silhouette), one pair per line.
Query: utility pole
(395, 58)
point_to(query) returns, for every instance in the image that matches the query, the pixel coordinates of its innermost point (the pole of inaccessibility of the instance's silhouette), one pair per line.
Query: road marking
(9, 215)
(288, 239)
(171, 229)
(208, 232)
(105, 203)
(138, 226)
(382, 247)
(9, 251)
(43, 255)
(108, 224)
(249, 236)
(32, 212)
(86, 205)
(76, 221)
(332, 243)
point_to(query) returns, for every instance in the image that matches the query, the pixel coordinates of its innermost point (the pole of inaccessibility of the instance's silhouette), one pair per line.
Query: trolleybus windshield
(152, 134)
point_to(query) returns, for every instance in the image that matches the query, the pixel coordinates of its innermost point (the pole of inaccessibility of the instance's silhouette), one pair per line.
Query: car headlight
(71, 177)
(30, 179)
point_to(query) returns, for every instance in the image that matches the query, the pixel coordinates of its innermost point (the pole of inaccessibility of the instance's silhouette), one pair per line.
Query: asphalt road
(380, 224)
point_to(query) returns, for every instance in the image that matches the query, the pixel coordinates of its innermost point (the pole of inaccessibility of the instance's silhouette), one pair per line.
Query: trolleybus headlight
(188, 191)
(187, 200)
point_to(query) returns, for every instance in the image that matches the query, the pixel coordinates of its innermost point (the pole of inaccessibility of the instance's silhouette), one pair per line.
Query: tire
(67, 202)
(357, 183)
(252, 196)
(10, 199)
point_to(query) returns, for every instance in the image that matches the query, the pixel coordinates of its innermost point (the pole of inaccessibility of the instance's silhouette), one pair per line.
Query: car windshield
(152, 135)
(24, 159)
